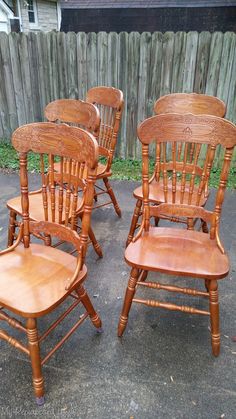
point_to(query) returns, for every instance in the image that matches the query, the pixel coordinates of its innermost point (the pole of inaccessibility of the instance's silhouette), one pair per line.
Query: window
(32, 12)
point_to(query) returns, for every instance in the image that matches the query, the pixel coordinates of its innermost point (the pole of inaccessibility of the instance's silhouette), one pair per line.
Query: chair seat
(178, 251)
(36, 206)
(156, 194)
(33, 280)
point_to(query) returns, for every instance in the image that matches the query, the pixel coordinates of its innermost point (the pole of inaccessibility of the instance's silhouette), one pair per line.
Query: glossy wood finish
(181, 158)
(194, 103)
(110, 104)
(35, 279)
(54, 202)
(177, 251)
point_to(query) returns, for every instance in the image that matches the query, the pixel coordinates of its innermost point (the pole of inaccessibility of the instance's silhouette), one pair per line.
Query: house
(149, 15)
(6, 14)
(30, 15)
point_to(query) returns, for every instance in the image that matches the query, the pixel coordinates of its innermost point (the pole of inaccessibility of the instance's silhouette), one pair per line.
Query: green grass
(122, 169)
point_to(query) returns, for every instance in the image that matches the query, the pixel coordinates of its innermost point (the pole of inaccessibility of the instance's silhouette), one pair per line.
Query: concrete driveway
(162, 367)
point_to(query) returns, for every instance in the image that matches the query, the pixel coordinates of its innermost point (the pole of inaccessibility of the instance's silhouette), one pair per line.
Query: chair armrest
(9, 249)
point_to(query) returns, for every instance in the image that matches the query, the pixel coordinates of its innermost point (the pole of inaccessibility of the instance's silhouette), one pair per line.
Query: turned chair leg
(130, 291)
(11, 228)
(204, 226)
(95, 244)
(134, 221)
(112, 196)
(33, 344)
(214, 317)
(85, 300)
(190, 224)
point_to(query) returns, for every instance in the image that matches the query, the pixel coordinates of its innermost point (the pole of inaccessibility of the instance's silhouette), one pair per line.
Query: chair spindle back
(110, 104)
(53, 141)
(180, 172)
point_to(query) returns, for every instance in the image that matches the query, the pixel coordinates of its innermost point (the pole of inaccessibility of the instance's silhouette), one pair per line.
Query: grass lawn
(122, 169)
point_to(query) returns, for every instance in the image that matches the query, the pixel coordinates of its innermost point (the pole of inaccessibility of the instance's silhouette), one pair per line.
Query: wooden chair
(177, 251)
(36, 279)
(180, 103)
(110, 104)
(84, 115)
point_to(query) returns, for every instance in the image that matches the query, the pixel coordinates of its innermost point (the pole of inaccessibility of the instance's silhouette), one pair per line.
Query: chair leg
(130, 291)
(134, 221)
(11, 228)
(112, 196)
(33, 344)
(157, 219)
(85, 300)
(190, 224)
(96, 245)
(214, 316)
(204, 226)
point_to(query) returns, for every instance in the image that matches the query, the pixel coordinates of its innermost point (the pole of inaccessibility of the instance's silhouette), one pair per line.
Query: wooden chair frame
(77, 145)
(182, 103)
(84, 115)
(110, 103)
(209, 130)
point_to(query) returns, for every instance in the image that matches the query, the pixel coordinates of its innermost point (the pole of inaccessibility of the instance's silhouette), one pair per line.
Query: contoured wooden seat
(35, 279)
(110, 103)
(178, 251)
(85, 115)
(182, 103)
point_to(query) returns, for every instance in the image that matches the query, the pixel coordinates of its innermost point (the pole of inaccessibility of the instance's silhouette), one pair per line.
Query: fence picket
(36, 68)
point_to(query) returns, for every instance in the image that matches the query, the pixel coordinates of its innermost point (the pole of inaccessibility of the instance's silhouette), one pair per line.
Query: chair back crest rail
(181, 174)
(61, 205)
(194, 103)
(74, 111)
(110, 103)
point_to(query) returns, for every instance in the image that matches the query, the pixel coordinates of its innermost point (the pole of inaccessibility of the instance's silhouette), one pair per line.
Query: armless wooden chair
(110, 104)
(35, 279)
(177, 251)
(182, 103)
(84, 115)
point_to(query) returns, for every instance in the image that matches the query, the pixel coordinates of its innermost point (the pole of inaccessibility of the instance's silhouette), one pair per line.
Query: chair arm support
(19, 237)
(182, 210)
(58, 230)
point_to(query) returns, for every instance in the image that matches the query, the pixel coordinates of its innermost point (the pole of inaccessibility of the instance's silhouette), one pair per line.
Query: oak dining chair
(110, 103)
(84, 115)
(36, 279)
(178, 251)
(182, 103)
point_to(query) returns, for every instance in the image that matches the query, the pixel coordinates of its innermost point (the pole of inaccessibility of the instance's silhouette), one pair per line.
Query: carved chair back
(75, 113)
(182, 103)
(192, 132)
(195, 103)
(61, 205)
(110, 104)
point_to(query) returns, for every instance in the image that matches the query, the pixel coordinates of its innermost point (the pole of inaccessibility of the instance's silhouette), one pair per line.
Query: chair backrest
(60, 203)
(195, 103)
(110, 104)
(74, 112)
(192, 133)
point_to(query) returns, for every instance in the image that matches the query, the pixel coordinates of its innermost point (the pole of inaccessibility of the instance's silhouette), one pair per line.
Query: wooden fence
(40, 67)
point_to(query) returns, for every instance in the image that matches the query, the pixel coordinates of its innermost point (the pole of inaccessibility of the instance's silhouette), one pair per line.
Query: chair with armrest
(176, 251)
(36, 279)
(182, 103)
(86, 116)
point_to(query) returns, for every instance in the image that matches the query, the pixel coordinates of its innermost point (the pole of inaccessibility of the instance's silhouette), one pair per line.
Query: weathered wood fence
(38, 68)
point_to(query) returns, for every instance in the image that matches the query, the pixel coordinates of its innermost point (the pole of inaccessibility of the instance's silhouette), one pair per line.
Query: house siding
(47, 16)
